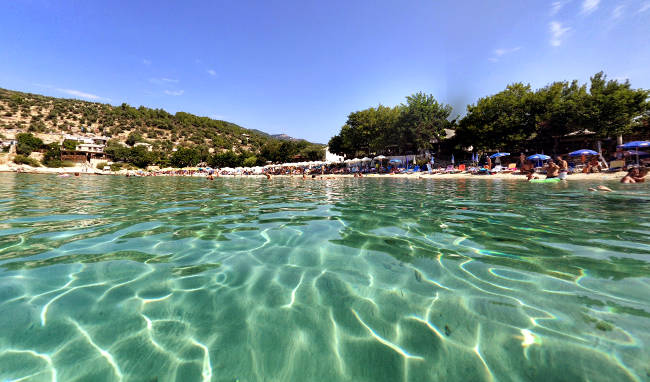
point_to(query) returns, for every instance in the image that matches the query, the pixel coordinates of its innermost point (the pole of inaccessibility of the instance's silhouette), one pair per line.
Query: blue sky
(299, 67)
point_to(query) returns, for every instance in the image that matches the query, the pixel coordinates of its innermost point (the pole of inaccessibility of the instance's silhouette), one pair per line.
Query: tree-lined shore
(517, 118)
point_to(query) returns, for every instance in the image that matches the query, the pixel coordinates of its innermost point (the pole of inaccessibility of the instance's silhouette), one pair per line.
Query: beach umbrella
(380, 157)
(635, 145)
(582, 152)
(395, 161)
(499, 155)
(538, 157)
(366, 159)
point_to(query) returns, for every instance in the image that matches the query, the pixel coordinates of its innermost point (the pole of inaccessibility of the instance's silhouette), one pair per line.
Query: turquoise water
(180, 279)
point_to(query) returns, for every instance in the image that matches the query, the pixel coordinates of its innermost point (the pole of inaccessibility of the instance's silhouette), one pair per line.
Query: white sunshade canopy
(366, 159)
(380, 157)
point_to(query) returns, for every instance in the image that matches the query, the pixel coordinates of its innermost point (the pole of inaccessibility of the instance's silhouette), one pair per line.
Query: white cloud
(555, 7)
(501, 52)
(163, 81)
(174, 92)
(589, 6)
(557, 32)
(498, 53)
(617, 13)
(644, 6)
(212, 72)
(146, 62)
(80, 94)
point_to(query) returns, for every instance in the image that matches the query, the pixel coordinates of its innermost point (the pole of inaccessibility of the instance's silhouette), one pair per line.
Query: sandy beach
(605, 176)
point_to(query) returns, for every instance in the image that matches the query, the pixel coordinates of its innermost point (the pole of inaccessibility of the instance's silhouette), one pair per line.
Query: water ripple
(108, 278)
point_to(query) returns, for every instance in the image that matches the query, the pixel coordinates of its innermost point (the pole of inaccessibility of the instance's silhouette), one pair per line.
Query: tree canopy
(411, 127)
(514, 118)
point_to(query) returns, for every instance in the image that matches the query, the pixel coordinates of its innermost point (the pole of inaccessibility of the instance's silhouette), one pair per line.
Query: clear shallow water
(177, 279)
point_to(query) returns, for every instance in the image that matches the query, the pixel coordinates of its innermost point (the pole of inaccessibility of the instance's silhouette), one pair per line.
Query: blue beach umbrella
(582, 152)
(499, 155)
(538, 158)
(635, 145)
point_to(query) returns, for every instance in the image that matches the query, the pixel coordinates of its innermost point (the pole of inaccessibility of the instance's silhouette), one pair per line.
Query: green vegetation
(414, 126)
(164, 131)
(27, 143)
(513, 119)
(69, 145)
(22, 159)
(519, 117)
(52, 157)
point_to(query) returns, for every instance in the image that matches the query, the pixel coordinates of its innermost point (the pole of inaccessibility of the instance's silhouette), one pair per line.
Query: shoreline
(608, 176)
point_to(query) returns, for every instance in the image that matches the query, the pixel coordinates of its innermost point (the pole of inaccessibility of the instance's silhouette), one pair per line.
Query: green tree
(27, 143)
(69, 144)
(52, 157)
(133, 138)
(503, 120)
(185, 157)
(423, 121)
(249, 161)
(613, 107)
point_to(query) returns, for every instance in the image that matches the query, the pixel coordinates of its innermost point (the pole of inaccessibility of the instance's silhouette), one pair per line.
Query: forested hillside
(42, 115)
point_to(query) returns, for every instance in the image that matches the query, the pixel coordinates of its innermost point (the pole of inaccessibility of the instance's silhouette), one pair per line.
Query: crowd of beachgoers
(499, 165)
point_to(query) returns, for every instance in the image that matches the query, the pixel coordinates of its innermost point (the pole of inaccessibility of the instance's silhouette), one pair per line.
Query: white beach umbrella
(366, 159)
(380, 157)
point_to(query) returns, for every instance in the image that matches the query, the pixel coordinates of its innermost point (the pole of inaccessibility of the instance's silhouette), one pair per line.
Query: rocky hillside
(50, 117)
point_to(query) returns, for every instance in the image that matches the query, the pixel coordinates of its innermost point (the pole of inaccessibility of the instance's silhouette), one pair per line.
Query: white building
(90, 148)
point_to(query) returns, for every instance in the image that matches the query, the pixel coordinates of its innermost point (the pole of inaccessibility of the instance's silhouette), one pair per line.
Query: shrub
(53, 163)
(70, 145)
(22, 159)
(101, 165)
(27, 143)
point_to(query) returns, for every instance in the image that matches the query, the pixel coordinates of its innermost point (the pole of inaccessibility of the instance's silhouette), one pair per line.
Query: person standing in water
(552, 170)
(564, 167)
